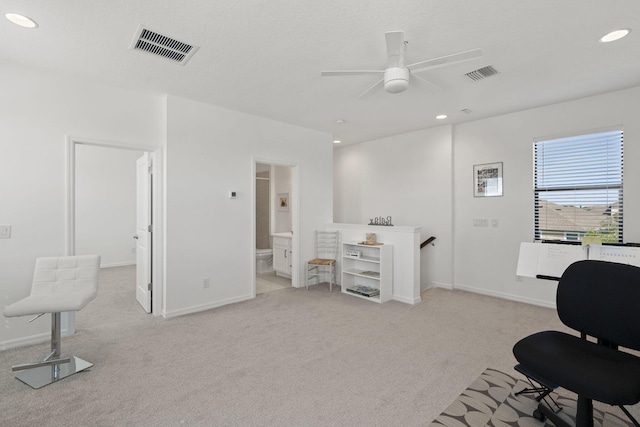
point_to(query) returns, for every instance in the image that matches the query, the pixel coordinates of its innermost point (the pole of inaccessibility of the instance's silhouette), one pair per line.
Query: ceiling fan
(397, 75)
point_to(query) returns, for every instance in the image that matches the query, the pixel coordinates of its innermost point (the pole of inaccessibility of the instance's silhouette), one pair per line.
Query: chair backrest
(327, 244)
(602, 300)
(66, 274)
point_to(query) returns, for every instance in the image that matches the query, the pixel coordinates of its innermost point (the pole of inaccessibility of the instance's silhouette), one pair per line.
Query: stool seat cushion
(322, 261)
(59, 284)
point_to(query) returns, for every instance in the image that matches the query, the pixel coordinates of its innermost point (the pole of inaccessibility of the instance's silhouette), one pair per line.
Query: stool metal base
(45, 375)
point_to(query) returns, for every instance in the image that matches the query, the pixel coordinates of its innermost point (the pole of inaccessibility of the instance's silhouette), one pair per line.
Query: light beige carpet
(286, 358)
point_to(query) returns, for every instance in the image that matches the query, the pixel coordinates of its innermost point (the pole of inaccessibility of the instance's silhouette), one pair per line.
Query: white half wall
(106, 203)
(211, 150)
(407, 177)
(38, 111)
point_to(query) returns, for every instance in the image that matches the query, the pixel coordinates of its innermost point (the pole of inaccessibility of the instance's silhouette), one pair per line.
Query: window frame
(565, 177)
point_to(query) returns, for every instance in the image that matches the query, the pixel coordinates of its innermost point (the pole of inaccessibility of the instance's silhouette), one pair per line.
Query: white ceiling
(264, 57)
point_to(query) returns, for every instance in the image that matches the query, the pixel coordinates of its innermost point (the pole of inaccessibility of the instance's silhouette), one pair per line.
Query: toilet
(264, 260)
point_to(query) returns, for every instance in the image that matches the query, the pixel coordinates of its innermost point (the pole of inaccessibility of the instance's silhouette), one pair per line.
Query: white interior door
(143, 234)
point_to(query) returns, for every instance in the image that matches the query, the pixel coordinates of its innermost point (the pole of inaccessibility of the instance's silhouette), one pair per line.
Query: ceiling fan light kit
(396, 79)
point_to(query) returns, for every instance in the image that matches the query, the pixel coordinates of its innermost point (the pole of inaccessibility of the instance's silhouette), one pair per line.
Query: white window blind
(578, 187)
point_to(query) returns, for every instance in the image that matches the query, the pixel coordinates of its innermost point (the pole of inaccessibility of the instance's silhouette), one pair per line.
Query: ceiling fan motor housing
(396, 79)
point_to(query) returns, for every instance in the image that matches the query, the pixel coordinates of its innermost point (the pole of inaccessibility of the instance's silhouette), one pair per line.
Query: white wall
(211, 150)
(407, 177)
(485, 258)
(410, 177)
(37, 112)
(106, 203)
(282, 184)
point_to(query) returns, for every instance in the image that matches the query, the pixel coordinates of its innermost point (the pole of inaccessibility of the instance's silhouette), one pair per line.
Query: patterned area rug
(490, 401)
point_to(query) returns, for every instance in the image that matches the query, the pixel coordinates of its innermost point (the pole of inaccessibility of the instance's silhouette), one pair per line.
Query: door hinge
(150, 228)
(150, 287)
(150, 170)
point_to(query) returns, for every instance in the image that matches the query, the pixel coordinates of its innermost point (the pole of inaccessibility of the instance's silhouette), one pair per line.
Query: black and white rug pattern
(490, 401)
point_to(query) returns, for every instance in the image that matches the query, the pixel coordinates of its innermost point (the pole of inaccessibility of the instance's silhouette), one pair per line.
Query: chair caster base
(45, 375)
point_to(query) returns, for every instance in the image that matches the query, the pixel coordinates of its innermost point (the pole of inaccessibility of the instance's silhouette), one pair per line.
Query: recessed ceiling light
(336, 141)
(441, 116)
(21, 20)
(615, 35)
(340, 121)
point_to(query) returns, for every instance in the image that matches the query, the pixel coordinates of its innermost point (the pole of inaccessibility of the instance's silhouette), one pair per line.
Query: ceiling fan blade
(350, 72)
(448, 59)
(372, 89)
(395, 42)
(419, 81)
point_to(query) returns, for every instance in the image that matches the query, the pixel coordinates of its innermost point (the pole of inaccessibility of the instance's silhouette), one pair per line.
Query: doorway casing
(158, 285)
(295, 218)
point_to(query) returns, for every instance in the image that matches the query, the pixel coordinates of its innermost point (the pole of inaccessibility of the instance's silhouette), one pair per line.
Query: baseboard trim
(412, 301)
(441, 285)
(30, 340)
(203, 307)
(506, 296)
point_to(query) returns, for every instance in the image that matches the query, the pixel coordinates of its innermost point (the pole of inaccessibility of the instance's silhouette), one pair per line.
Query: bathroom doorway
(274, 225)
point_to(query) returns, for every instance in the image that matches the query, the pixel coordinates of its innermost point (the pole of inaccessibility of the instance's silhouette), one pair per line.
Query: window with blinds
(578, 187)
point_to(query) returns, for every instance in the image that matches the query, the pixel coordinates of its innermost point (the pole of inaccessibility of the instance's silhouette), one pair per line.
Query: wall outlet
(205, 283)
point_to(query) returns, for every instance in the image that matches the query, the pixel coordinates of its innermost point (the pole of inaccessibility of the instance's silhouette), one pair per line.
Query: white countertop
(285, 235)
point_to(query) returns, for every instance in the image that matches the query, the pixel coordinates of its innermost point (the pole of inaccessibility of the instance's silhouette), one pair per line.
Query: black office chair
(600, 300)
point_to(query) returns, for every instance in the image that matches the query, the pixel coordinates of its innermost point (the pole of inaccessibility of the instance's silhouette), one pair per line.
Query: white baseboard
(203, 307)
(441, 285)
(30, 340)
(412, 301)
(506, 296)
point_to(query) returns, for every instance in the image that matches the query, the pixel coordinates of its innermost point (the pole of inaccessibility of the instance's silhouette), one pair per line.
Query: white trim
(202, 307)
(412, 301)
(295, 218)
(159, 228)
(31, 339)
(503, 295)
(441, 285)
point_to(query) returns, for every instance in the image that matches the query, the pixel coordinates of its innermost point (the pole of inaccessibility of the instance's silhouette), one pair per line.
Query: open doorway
(106, 202)
(275, 204)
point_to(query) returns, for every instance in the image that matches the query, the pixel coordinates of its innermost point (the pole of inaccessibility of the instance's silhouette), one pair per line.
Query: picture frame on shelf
(487, 180)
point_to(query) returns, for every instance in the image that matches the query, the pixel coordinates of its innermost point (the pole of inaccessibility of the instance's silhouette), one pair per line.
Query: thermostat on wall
(233, 195)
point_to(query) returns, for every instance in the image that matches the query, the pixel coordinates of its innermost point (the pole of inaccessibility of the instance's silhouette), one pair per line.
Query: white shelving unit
(371, 269)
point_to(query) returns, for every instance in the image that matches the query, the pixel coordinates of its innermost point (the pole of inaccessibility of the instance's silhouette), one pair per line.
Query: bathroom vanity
(282, 254)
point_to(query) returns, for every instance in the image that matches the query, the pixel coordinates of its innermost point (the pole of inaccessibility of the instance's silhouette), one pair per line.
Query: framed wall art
(487, 180)
(283, 202)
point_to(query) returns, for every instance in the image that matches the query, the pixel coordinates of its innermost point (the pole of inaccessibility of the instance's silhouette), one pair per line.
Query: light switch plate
(5, 231)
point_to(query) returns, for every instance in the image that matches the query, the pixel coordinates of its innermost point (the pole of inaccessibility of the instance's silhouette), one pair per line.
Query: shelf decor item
(487, 180)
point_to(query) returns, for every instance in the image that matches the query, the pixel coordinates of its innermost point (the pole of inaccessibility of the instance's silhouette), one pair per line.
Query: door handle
(285, 253)
(135, 237)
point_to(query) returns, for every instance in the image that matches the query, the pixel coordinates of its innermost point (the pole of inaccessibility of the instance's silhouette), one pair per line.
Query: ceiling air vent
(163, 46)
(482, 73)
(466, 111)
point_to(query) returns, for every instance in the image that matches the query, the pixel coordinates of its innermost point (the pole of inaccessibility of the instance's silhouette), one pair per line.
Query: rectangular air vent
(163, 46)
(482, 73)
